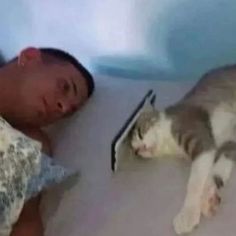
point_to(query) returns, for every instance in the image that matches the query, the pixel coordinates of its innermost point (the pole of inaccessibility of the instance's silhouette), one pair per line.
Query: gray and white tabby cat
(201, 127)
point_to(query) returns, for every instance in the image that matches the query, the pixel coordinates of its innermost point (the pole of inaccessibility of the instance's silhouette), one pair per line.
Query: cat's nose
(140, 149)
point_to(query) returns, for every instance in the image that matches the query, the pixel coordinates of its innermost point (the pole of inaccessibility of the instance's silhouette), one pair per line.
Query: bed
(140, 199)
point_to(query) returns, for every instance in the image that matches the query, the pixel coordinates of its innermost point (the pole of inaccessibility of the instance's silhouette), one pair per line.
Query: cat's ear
(149, 107)
(153, 100)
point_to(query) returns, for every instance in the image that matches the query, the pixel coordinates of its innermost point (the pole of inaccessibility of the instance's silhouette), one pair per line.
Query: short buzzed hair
(65, 56)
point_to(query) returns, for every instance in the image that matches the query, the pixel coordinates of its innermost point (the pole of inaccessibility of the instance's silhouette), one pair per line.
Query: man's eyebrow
(74, 87)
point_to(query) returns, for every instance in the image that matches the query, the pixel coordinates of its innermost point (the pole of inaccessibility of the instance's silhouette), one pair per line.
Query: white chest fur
(166, 144)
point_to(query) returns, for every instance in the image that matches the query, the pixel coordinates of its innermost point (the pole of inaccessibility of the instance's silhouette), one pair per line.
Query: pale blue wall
(163, 39)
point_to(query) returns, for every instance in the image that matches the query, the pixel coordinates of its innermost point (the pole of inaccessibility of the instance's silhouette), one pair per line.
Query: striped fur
(201, 126)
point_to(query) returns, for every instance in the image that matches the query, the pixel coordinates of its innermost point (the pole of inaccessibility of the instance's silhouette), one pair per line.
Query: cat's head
(143, 135)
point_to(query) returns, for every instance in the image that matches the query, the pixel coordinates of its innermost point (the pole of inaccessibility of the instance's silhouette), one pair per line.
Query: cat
(201, 126)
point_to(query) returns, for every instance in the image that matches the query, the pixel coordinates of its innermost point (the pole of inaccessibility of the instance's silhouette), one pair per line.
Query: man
(38, 88)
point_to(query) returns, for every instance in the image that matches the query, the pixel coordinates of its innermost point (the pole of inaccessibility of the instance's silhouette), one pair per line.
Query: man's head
(50, 84)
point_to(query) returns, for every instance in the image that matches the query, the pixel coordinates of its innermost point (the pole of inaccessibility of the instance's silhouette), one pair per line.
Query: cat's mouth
(144, 153)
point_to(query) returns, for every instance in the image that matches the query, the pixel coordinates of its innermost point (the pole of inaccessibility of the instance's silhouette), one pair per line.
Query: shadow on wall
(198, 36)
(202, 39)
(135, 67)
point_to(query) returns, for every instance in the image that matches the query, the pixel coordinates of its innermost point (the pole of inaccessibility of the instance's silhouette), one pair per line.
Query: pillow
(24, 172)
(50, 174)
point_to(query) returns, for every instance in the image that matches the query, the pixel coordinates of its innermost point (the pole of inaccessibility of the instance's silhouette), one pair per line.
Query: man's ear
(29, 56)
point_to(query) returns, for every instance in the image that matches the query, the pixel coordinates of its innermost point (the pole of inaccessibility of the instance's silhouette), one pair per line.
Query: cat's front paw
(187, 220)
(210, 201)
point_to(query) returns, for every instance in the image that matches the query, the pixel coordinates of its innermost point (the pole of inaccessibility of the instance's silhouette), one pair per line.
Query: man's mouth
(45, 107)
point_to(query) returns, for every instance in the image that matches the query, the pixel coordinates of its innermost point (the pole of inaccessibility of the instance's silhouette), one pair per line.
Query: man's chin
(39, 123)
(26, 122)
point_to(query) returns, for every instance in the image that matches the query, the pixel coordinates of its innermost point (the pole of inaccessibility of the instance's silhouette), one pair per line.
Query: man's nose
(62, 107)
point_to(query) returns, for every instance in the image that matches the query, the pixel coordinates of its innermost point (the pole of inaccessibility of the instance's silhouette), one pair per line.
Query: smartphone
(148, 99)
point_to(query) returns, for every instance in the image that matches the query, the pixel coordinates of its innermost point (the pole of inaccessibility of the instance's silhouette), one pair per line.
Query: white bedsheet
(132, 202)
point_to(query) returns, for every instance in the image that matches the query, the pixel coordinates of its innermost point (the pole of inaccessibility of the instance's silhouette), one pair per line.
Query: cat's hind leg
(189, 216)
(221, 171)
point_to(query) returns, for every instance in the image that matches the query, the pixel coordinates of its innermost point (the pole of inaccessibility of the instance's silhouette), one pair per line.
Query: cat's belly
(223, 121)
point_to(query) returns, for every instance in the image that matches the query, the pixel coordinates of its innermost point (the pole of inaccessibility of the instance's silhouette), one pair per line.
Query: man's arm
(30, 222)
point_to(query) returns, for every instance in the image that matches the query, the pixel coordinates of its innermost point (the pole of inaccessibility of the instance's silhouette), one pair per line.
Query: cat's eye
(140, 133)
